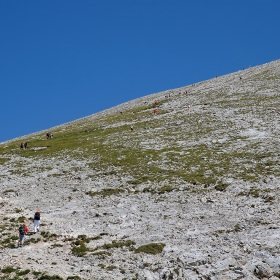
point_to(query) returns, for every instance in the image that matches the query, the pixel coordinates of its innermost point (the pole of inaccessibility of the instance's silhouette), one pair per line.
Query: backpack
(37, 216)
(21, 230)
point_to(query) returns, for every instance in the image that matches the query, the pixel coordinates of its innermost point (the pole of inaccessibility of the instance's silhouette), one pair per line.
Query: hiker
(21, 145)
(26, 229)
(156, 103)
(155, 112)
(23, 230)
(131, 128)
(37, 221)
(25, 145)
(49, 135)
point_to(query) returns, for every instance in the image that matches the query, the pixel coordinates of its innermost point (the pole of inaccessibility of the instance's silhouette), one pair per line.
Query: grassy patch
(48, 236)
(23, 272)
(152, 248)
(32, 240)
(101, 253)
(8, 269)
(118, 244)
(221, 186)
(111, 267)
(79, 247)
(50, 277)
(165, 189)
(156, 151)
(4, 160)
(254, 192)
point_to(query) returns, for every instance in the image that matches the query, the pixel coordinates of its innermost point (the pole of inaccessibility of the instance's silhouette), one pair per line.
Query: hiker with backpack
(23, 230)
(37, 221)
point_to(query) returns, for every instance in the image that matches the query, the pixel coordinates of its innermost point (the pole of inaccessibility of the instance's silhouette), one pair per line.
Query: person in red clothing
(23, 230)
(26, 229)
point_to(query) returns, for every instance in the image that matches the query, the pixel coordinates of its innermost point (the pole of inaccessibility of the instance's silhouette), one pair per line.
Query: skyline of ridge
(61, 61)
(151, 97)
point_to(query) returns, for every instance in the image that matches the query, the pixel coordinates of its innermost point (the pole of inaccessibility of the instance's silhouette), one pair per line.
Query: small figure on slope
(37, 221)
(23, 230)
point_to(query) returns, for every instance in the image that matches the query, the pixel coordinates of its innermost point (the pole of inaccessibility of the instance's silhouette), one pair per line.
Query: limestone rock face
(191, 192)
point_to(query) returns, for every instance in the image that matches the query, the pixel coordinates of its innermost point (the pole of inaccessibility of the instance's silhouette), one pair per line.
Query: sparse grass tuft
(105, 192)
(8, 191)
(8, 269)
(23, 272)
(221, 186)
(79, 249)
(166, 189)
(101, 253)
(48, 236)
(119, 244)
(152, 248)
(111, 267)
(48, 277)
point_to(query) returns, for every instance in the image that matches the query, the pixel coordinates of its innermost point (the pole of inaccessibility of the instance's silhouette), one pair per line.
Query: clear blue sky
(61, 60)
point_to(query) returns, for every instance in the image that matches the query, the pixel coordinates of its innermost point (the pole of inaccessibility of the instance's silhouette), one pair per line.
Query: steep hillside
(184, 189)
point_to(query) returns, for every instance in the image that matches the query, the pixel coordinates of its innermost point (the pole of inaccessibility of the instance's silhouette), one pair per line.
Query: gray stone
(263, 271)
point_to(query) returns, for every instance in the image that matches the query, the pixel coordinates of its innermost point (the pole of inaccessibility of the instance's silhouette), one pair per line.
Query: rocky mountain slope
(187, 188)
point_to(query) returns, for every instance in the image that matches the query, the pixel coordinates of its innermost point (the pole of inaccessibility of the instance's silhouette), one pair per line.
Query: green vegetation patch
(78, 244)
(3, 160)
(74, 277)
(254, 192)
(80, 249)
(8, 269)
(111, 267)
(119, 244)
(32, 240)
(156, 150)
(23, 272)
(49, 277)
(221, 186)
(165, 189)
(48, 236)
(258, 193)
(101, 253)
(152, 248)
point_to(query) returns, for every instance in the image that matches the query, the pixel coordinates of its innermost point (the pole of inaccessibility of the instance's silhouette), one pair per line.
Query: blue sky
(61, 60)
